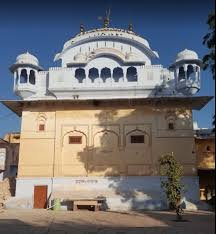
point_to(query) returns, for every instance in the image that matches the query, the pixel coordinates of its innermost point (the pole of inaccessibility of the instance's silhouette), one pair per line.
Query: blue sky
(42, 27)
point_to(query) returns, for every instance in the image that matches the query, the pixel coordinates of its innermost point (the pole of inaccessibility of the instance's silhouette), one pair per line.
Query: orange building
(205, 150)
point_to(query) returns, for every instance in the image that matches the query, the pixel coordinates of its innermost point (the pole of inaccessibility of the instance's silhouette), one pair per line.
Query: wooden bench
(96, 203)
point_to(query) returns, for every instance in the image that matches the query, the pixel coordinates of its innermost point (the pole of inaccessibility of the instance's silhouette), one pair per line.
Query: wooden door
(40, 196)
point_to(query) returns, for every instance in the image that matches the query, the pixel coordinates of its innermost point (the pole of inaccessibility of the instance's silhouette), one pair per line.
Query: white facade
(106, 63)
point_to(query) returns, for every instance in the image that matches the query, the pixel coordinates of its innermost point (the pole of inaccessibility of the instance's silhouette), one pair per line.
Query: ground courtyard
(89, 222)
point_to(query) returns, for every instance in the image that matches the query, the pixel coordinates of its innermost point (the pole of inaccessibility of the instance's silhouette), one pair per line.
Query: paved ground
(88, 222)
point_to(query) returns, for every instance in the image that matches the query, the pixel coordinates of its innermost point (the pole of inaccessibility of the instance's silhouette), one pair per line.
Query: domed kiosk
(25, 71)
(187, 72)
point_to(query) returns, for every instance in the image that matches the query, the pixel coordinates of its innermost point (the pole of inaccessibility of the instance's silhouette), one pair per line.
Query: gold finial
(107, 19)
(82, 29)
(106, 23)
(130, 27)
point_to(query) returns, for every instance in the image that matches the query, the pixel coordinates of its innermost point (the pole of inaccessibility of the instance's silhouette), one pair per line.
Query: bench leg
(96, 208)
(75, 207)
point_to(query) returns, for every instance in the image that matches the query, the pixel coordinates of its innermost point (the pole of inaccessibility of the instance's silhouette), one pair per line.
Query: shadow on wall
(121, 153)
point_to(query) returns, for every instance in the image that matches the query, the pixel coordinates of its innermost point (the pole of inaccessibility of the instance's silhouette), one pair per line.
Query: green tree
(209, 41)
(171, 184)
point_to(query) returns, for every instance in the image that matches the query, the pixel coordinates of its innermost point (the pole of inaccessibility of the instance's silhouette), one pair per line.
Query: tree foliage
(209, 41)
(171, 184)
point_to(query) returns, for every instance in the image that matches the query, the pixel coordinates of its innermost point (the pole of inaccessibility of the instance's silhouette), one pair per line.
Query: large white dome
(186, 54)
(27, 58)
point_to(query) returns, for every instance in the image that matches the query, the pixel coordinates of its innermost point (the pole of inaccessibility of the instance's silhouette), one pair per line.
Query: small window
(171, 126)
(208, 148)
(75, 140)
(137, 139)
(41, 127)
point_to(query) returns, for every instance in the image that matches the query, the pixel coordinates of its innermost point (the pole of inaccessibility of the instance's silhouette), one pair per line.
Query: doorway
(40, 196)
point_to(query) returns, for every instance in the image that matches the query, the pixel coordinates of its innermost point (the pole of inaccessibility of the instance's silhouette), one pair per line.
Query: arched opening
(23, 76)
(41, 122)
(190, 72)
(105, 73)
(80, 74)
(117, 73)
(32, 77)
(132, 74)
(181, 75)
(93, 73)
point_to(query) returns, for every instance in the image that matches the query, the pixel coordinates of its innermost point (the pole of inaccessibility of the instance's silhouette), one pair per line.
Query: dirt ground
(89, 222)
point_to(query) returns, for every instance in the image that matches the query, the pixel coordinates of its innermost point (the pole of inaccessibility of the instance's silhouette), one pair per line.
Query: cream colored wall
(106, 147)
(205, 158)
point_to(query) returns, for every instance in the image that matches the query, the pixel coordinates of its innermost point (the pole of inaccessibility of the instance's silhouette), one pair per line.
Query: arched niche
(105, 73)
(41, 122)
(106, 141)
(80, 74)
(67, 140)
(131, 74)
(74, 153)
(136, 138)
(93, 73)
(117, 73)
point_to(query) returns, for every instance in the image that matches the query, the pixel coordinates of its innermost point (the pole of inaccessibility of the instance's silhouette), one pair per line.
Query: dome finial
(82, 29)
(107, 19)
(130, 27)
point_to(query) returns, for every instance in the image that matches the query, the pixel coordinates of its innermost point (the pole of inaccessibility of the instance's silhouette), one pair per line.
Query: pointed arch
(32, 77)
(80, 74)
(117, 73)
(105, 73)
(137, 136)
(23, 76)
(181, 75)
(69, 133)
(106, 131)
(93, 73)
(131, 74)
(190, 72)
(41, 122)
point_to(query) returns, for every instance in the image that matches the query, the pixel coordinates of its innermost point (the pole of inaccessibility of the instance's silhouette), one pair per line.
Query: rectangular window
(75, 140)
(41, 127)
(171, 126)
(137, 139)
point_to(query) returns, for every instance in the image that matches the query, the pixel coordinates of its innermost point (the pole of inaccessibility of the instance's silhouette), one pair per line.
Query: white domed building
(97, 125)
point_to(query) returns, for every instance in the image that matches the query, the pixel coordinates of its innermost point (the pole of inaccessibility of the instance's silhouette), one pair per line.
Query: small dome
(80, 57)
(130, 56)
(27, 58)
(186, 54)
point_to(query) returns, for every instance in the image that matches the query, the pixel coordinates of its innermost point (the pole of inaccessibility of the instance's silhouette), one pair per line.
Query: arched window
(93, 73)
(190, 72)
(105, 73)
(32, 77)
(181, 75)
(132, 74)
(41, 122)
(117, 73)
(23, 76)
(80, 74)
